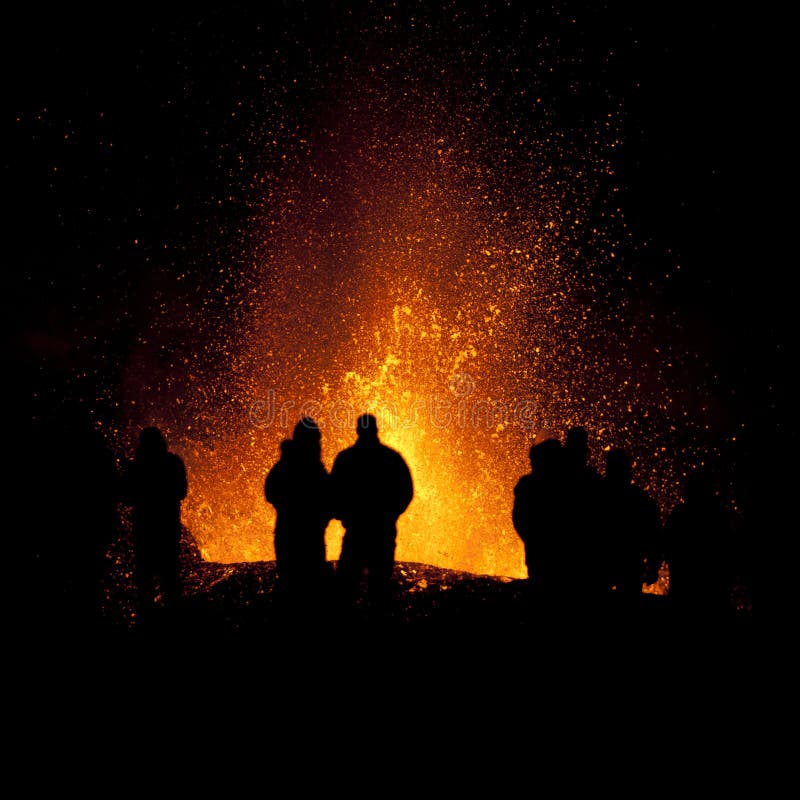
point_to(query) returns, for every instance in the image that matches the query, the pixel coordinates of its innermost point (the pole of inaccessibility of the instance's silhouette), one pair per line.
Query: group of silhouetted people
(590, 542)
(368, 489)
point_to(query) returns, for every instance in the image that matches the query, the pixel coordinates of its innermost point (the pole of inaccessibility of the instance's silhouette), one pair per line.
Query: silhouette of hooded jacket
(372, 484)
(156, 485)
(298, 487)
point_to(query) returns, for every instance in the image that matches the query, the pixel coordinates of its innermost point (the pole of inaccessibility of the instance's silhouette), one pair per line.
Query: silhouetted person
(372, 487)
(581, 504)
(630, 533)
(299, 488)
(537, 517)
(576, 457)
(697, 545)
(155, 486)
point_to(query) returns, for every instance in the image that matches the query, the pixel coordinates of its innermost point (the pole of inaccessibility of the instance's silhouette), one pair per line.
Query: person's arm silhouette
(181, 481)
(405, 486)
(520, 512)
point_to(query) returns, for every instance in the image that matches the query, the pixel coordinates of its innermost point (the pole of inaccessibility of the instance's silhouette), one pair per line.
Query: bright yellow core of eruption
(404, 284)
(411, 365)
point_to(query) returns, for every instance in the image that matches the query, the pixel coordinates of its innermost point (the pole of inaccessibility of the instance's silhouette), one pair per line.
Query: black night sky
(124, 131)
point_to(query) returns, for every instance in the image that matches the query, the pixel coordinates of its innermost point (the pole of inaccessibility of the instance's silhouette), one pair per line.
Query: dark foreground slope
(244, 601)
(455, 646)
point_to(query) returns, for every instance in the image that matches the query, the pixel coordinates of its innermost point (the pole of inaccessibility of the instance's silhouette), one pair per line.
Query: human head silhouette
(367, 428)
(307, 438)
(544, 456)
(577, 446)
(151, 443)
(618, 467)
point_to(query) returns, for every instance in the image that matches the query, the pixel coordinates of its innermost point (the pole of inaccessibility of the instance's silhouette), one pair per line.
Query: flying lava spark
(413, 249)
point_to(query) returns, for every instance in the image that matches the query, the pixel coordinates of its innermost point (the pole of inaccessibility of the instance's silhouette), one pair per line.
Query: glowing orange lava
(405, 260)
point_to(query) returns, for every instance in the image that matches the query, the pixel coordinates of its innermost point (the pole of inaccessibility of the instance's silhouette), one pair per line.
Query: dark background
(119, 159)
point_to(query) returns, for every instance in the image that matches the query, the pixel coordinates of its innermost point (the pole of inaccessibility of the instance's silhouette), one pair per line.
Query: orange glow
(418, 268)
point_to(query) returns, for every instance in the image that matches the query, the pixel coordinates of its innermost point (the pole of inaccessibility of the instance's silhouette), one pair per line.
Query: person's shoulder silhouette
(630, 530)
(536, 510)
(370, 478)
(278, 485)
(299, 473)
(372, 487)
(157, 476)
(298, 486)
(545, 461)
(523, 511)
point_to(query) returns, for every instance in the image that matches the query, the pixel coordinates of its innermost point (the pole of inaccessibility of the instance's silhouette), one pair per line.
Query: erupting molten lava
(408, 253)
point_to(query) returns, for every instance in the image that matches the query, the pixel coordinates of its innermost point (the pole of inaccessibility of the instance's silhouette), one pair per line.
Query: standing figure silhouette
(372, 487)
(631, 533)
(537, 519)
(299, 488)
(156, 485)
(581, 502)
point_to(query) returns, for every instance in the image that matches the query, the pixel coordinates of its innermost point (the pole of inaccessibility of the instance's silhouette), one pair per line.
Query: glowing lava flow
(413, 264)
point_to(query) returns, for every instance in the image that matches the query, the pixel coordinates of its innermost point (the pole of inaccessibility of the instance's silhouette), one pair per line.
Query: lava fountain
(409, 253)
